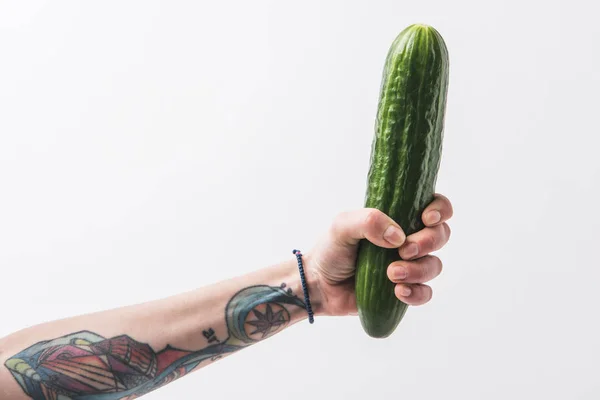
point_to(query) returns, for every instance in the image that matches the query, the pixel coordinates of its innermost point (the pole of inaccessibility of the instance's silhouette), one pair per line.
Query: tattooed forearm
(87, 366)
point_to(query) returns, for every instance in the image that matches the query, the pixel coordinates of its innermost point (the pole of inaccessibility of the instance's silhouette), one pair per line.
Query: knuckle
(447, 230)
(429, 293)
(430, 241)
(437, 262)
(450, 211)
(446, 204)
(431, 267)
(425, 293)
(418, 295)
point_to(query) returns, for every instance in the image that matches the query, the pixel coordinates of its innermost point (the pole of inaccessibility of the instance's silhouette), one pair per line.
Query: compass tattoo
(86, 366)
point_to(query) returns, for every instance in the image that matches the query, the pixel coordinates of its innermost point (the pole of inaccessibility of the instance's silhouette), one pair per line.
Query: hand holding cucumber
(332, 262)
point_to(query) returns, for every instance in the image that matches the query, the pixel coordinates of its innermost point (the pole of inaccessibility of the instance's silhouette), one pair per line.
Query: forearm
(135, 349)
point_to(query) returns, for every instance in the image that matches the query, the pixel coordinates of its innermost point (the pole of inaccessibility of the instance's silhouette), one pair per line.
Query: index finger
(438, 211)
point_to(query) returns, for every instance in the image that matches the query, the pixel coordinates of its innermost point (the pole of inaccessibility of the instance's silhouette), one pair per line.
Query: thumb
(367, 223)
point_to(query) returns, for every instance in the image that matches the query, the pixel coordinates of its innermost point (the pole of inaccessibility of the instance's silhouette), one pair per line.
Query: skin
(215, 321)
(332, 261)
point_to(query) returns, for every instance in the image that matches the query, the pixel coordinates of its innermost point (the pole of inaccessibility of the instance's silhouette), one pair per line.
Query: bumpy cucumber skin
(405, 159)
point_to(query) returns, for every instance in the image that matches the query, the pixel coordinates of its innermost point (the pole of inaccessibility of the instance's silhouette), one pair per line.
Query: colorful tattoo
(87, 366)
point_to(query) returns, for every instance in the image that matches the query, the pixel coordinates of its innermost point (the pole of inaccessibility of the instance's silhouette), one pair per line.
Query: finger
(368, 223)
(419, 271)
(425, 241)
(414, 295)
(438, 211)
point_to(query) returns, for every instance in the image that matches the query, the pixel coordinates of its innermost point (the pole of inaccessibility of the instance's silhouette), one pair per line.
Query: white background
(148, 147)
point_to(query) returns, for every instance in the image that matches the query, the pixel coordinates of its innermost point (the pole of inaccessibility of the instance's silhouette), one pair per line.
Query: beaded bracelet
(311, 317)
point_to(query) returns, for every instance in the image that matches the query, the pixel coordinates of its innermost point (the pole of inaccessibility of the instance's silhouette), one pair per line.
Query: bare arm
(127, 352)
(136, 349)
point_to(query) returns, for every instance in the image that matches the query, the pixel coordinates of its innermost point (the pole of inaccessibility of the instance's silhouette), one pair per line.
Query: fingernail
(400, 273)
(405, 291)
(434, 217)
(411, 250)
(394, 235)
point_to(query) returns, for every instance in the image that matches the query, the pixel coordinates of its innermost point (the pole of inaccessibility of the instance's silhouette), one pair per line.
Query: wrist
(312, 285)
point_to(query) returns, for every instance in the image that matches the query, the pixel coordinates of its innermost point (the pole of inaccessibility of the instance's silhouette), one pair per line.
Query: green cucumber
(405, 159)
